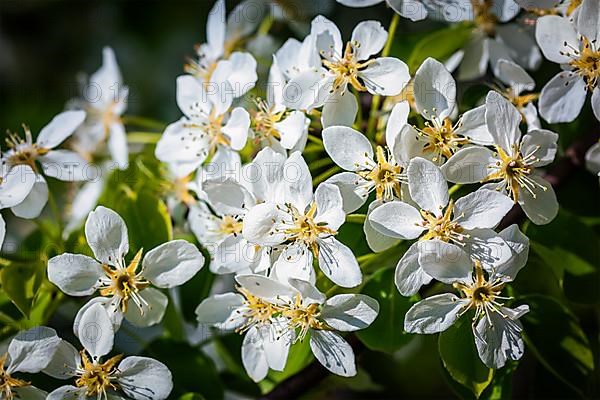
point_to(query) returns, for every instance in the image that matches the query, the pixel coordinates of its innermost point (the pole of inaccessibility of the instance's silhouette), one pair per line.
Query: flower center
(23, 151)
(7, 382)
(442, 140)
(256, 310)
(125, 283)
(200, 69)
(264, 120)
(515, 170)
(385, 175)
(443, 228)
(485, 19)
(230, 225)
(97, 378)
(304, 228)
(483, 295)
(585, 62)
(345, 68)
(302, 317)
(519, 101)
(181, 190)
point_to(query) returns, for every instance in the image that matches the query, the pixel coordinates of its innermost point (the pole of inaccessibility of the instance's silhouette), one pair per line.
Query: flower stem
(143, 122)
(143, 137)
(314, 139)
(356, 218)
(454, 189)
(373, 116)
(320, 178)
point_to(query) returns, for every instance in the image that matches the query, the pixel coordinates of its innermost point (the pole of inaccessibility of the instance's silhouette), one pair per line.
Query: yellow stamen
(98, 378)
(7, 382)
(125, 283)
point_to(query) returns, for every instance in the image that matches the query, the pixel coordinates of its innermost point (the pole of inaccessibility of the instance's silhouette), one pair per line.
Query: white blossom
(496, 327)
(573, 45)
(512, 168)
(446, 229)
(136, 378)
(127, 289)
(29, 352)
(23, 187)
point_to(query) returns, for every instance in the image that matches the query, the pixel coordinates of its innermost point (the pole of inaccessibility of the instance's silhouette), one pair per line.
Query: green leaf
(554, 335)
(192, 370)
(386, 333)
(440, 44)
(21, 283)
(572, 250)
(192, 396)
(461, 359)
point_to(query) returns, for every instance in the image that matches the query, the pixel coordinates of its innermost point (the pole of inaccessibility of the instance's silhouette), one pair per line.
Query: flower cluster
(244, 175)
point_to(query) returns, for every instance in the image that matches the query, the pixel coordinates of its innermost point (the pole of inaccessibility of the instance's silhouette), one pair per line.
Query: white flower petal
(377, 241)
(66, 165)
(309, 292)
(542, 144)
(348, 148)
(142, 377)
(587, 19)
(498, 339)
(301, 92)
(329, 206)
(31, 350)
(75, 274)
(503, 120)
(333, 352)
(353, 188)
(117, 145)
(513, 75)
(297, 181)
(434, 314)
(339, 109)
(409, 276)
(67, 393)
(110, 304)
(29, 393)
(474, 127)
(427, 185)
(293, 129)
(95, 331)
(542, 208)
(435, 90)
(259, 226)
(338, 263)
(386, 76)
(482, 209)
(445, 262)
(254, 358)
(397, 120)
(221, 311)
(150, 314)
(172, 264)
(266, 288)
(106, 235)
(519, 244)
(370, 37)
(469, 165)
(294, 262)
(551, 33)
(66, 359)
(15, 185)
(60, 128)
(563, 97)
(243, 76)
(350, 312)
(475, 59)
(35, 201)
(327, 34)
(237, 128)
(397, 219)
(596, 103)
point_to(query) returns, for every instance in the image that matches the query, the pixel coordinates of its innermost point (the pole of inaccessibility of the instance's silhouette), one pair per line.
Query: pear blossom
(496, 37)
(23, 187)
(218, 58)
(127, 290)
(303, 226)
(104, 98)
(29, 352)
(573, 45)
(592, 159)
(513, 167)
(496, 327)
(115, 378)
(416, 10)
(445, 228)
(382, 172)
(221, 232)
(208, 124)
(272, 124)
(435, 100)
(516, 83)
(274, 315)
(324, 82)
